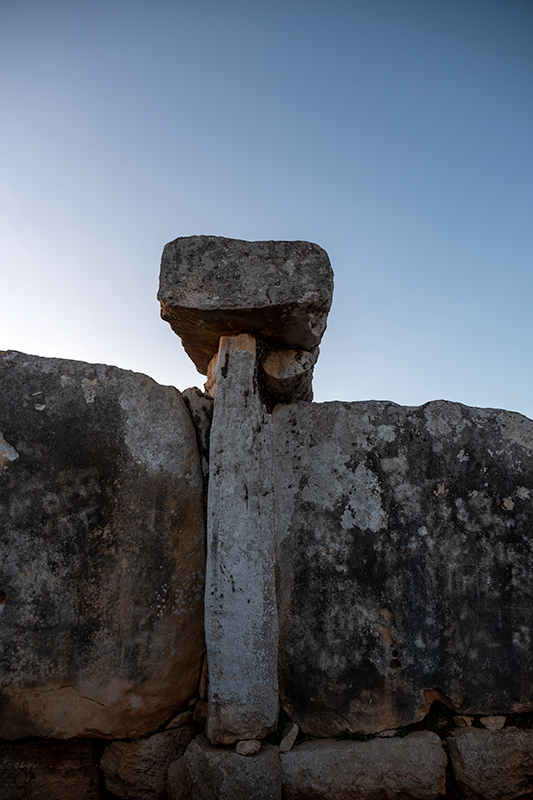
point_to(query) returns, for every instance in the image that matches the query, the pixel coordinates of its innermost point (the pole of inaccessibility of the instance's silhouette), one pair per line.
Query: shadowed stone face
(404, 553)
(211, 286)
(101, 552)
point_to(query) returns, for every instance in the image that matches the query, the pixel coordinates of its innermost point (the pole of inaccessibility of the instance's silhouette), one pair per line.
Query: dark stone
(493, 765)
(102, 552)
(48, 771)
(138, 770)
(404, 562)
(206, 772)
(395, 769)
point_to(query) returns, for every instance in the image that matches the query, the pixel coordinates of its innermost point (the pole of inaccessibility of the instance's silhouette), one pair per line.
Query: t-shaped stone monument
(254, 314)
(279, 292)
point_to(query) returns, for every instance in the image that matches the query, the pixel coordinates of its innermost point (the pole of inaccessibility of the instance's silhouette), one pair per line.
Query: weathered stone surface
(288, 375)
(48, 771)
(414, 767)
(101, 554)
(288, 737)
(240, 612)
(493, 723)
(216, 773)
(181, 719)
(404, 562)
(138, 770)
(463, 721)
(211, 286)
(200, 407)
(493, 765)
(248, 747)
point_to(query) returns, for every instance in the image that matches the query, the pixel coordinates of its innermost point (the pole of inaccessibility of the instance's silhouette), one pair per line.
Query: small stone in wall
(288, 737)
(387, 734)
(493, 723)
(183, 718)
(463, 721)
(248, 747)
(138, 770)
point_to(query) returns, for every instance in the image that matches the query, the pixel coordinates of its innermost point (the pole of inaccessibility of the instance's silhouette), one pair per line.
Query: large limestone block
(211, 286)
(48, 771)
(493, 765)
(138, 770)
(396, 769)
(241, 624)
(404, 562)
(102, 552)
(217, 773)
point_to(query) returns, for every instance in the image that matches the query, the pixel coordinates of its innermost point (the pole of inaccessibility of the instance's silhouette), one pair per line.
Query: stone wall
(367, 567)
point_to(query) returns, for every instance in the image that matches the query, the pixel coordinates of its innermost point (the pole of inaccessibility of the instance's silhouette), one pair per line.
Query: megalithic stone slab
(211, 286)
(404, 562)
(102, 551)
(240, 602)
(396, 769)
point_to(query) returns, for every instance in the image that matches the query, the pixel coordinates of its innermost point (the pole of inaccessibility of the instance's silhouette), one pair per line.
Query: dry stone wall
(367, 564)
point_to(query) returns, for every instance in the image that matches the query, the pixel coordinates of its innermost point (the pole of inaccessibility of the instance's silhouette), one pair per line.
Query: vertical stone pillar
(241, 620)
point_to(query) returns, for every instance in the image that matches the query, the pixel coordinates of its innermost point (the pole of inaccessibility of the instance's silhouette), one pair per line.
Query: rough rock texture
(288, 375)
(288, 737)
(102, 551)
(381, 769)
(211, 286)
(215, 773)
(493, 765)
(404, 562)
(48, 771)
(200, 407)
(138, 770)
(241, 624)
(248, 747)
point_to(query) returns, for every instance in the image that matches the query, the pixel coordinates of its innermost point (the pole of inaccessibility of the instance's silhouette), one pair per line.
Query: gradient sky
(395, 133)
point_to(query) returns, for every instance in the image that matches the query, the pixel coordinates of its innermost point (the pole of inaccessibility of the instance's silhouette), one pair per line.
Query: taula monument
(244, 595)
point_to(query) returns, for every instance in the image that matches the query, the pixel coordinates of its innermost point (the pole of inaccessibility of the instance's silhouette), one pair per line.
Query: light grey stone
(211, 286)
(102, 553)
(138, 770)
(404, 562)
(288, 737)
(240, 608)
(493, 765)
(48, 771)
(413, 767)
(217, 773)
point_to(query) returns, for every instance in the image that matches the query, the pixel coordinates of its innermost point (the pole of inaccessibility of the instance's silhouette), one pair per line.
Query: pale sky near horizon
(395, 133)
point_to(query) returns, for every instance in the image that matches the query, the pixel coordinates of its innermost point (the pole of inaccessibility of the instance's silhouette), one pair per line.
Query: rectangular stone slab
(404, 562)
(211, 286)
(241, 624)
(102, 550)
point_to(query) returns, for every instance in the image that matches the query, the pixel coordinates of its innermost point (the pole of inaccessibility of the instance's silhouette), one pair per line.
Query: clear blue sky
(395, 133)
